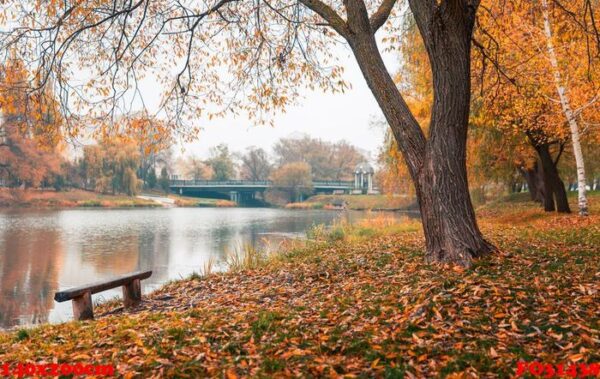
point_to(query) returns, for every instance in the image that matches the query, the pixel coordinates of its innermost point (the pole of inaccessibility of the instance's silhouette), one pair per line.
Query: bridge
(246, 190)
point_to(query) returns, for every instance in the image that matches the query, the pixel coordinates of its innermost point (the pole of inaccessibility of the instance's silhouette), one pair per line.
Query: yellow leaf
(575, 357)
(231, 374)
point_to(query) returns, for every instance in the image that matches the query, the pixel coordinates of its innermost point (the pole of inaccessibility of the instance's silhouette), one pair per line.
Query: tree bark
(437, 165)
(535, 181)
(567, 110)
(446, 208)
(555, 193)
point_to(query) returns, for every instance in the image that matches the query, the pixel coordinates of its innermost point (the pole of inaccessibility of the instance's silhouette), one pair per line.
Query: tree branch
(560, 151)
(382, 14)
(423, 12)
(328, 14)
(485, 55)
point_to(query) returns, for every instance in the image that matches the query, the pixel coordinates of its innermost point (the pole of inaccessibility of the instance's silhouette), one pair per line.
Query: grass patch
(364, 202)
(264, 323)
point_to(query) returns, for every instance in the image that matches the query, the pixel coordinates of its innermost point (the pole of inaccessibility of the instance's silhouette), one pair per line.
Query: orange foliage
(30, 141)
(513, 90)
(513, 77)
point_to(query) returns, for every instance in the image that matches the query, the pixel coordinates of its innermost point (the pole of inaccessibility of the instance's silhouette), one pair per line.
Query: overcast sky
(353, 116)
(331, 117)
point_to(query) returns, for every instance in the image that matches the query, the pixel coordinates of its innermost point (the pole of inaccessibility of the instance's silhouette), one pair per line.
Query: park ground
(359, 301)
(358, 202)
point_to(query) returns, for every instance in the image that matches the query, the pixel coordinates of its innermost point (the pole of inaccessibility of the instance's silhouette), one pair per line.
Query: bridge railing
(333, 183)
(253, 183)
(186, 183)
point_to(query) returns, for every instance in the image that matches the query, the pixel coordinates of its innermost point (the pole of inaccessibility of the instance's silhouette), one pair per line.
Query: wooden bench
(83, 309)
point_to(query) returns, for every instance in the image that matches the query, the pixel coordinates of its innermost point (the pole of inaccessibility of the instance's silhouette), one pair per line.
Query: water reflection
(42, 252)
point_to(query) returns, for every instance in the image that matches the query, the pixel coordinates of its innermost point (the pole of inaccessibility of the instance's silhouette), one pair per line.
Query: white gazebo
(363, 178)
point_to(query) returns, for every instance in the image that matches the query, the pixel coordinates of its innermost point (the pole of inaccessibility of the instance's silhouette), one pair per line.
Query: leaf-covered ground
(365, 305)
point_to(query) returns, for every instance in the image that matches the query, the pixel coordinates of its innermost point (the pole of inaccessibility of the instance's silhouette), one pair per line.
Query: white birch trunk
(566, 106)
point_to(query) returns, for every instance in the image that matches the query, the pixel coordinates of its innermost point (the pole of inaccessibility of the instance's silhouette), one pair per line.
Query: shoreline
(374, 203)
(15, 199)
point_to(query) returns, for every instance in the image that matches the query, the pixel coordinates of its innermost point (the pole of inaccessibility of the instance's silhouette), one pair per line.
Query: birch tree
(568, 112)
(521, 68)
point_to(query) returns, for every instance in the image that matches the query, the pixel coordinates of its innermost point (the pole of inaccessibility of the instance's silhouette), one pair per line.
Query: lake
(44, 251)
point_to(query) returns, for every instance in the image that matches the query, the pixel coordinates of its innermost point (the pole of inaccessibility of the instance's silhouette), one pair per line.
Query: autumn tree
(312, 151)
(328, 161)
(29, 131)
(195, 168)
(154, 139)
(111, 166)
(255, 164)
(221, 162)
(393, 177)
(253, 57)
(564, 95)
(525, 138)
(163, 180)
(345, 159)
(521, 71)
(295, 179)
(91, 166)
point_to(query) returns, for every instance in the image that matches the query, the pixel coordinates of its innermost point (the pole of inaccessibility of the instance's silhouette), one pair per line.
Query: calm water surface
(42, 252)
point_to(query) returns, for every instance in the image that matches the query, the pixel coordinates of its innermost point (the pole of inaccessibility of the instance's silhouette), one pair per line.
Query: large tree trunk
(446, 209)
(567, 110)
(535, 181)
(437, 165)
(451, 230)
(555, 193)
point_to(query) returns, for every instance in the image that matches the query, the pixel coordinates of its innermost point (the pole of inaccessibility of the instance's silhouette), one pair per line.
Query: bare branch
(328, 14)
(382, 14)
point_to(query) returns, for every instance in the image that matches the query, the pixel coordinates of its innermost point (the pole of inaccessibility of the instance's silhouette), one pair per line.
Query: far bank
(77, 198)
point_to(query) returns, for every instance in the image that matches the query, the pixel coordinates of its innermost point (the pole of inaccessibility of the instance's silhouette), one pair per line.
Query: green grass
(365, 202)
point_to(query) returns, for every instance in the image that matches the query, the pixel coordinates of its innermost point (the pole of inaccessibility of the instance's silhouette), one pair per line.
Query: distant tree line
(33, 153)
(293, 165)
(137, 155)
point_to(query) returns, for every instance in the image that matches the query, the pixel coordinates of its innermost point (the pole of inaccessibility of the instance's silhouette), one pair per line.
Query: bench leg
(83, 309)
(132, 293)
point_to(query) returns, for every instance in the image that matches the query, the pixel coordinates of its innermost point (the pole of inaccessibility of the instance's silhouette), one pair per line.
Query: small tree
(163, 181)
(131, 183)
(255, 164)
(152, 180)
(195, 168)
(221, 162)
(293, 178)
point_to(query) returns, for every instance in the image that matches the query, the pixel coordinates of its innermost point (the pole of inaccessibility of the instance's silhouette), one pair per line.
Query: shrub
(316, 232)
(246, 257)
(337, 233)
(306, 205)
